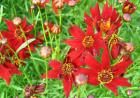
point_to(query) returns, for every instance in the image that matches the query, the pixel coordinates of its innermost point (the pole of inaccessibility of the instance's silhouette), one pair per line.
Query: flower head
(84, 43)
(106, 74)
(109, 21)
(128, 7)
(65, 71)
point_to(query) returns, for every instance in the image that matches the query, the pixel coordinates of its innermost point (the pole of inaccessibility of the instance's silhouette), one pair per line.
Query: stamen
(105, 25)
(88, 41)
(67, 68)
(105, 76)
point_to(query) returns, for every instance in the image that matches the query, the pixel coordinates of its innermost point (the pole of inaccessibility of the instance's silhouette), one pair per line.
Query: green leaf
(25, 44)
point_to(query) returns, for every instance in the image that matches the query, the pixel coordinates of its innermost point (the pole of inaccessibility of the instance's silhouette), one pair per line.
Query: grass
(35, 66)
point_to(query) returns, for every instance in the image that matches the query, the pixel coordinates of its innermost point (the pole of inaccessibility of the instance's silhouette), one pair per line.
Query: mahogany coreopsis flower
(106, 74)
(65, 71)
(19, 32)
(109, 21)
(84, 42)
(128, 7)
(7, 69)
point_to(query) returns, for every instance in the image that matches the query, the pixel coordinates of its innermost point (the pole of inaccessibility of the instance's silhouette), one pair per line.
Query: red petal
(75, 53)
(121, 82)
(10, 25)
(105, 58)
(90, 61)
(115, 51)
(107, 11)
(112, 87)
(55, 64)
(95, 12)
(121, 67)
(88, 20)
(53, 74)
(4, 73)
(76, 32)
(93, 80)
(67, 86)
(89, 31)
(23, 23)
(28, 28)
(74, 43)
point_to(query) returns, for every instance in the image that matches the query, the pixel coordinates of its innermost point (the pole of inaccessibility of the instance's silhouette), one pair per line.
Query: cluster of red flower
(81, 64)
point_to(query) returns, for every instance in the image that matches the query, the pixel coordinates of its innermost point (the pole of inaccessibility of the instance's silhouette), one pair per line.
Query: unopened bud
(17, 20)
(90, 96)
(55, 29)
(45, 52)
(129, 92)
(81, 79)
(129, 47)
(58, 3)
(72, 2)
(127, 17)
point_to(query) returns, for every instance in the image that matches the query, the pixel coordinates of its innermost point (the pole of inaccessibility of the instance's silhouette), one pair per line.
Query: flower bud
(128, 7)
(127, 17)
(36, 2)
(90, 96)
(72, 2)
(81, 79)
(129, 47)
(129, 92)
(17, 20)
(58, 3)
(45, 52)
(121, 1)
(3, 41)
(55, 29)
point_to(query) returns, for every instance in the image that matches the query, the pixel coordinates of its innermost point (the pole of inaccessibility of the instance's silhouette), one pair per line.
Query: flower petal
(88, 20)
(120, 81)
(112, 87)
(95, 12)
(67, 86)
(55, 64)
(105, 58)
(91, 62)
(121, 67)
(74, 43)
(76, 32)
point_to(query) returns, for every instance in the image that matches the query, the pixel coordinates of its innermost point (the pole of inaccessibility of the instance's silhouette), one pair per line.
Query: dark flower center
(67, 68)
(105, 25)
(2, 59)
(105, 76)
(88, 41)
(113, 39)
(18, 33)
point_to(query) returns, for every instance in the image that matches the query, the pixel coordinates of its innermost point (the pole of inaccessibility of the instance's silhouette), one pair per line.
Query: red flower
(108, 22)
(7, 69)
(107, 74)
(84, 42)
(128, 7)
(66, 72)
(19, 32)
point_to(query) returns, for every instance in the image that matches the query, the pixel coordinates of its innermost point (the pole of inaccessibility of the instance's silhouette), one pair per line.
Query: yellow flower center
(105, 25)
(88, 41)
(105, 76)
(67, 68)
